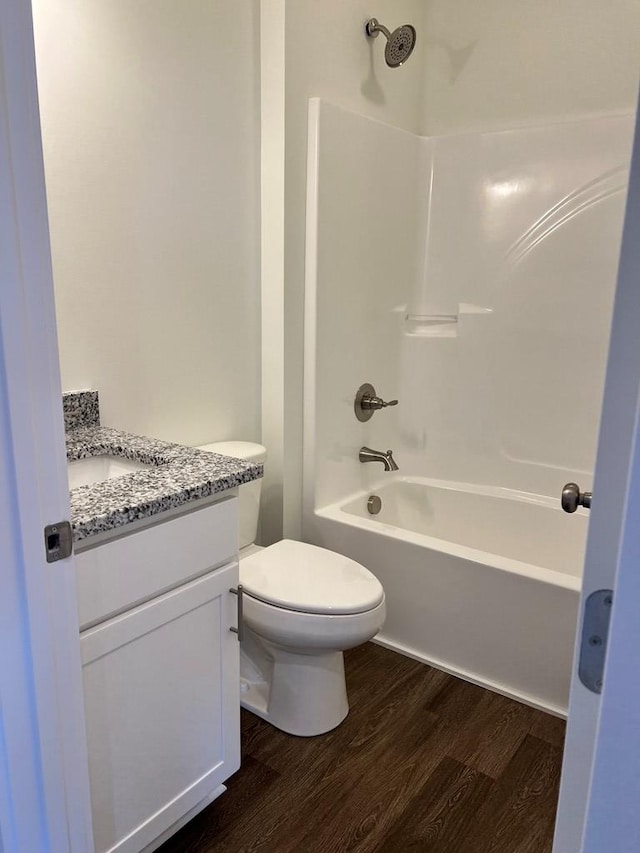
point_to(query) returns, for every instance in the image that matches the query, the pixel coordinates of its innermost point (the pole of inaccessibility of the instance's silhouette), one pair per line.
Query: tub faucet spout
(367, 454)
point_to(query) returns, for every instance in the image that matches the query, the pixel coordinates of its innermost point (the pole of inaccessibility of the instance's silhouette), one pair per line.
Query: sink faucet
(368, 455)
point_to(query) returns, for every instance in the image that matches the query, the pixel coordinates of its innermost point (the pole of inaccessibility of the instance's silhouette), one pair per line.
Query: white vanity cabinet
(161, 676)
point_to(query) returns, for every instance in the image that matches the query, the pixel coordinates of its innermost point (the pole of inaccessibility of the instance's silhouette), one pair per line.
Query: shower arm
(374, 28)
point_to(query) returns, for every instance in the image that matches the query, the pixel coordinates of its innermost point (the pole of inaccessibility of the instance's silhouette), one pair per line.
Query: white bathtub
(481, 582)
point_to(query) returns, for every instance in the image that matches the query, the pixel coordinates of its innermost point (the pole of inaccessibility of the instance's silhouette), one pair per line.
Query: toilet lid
(303, 577)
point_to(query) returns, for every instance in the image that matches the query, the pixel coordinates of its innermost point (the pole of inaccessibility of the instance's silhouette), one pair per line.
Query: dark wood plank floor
(423, 762)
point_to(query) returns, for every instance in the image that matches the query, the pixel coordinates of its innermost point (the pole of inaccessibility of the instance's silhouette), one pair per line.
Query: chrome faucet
(368, 455)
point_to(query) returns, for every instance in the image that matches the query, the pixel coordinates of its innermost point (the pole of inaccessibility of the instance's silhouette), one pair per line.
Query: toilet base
(301, 694)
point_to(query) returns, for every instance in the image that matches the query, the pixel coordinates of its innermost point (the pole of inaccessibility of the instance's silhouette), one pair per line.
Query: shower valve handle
(375, 403)
(367, 402)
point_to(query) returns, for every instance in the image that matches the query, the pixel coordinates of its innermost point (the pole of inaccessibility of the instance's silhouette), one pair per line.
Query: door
(44, 789)
(162, 702)
(600, 787)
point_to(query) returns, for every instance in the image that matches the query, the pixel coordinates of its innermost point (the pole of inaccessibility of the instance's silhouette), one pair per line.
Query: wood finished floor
(424, 762)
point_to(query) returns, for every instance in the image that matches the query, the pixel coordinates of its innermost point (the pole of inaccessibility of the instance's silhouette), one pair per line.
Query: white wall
(501, 63)
(150, 116)
(272, 121)
(328, 56)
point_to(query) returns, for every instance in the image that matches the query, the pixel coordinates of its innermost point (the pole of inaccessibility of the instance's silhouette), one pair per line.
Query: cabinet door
(162, 705)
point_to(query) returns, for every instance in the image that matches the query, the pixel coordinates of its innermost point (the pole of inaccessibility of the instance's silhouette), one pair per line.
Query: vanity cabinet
(161, 677)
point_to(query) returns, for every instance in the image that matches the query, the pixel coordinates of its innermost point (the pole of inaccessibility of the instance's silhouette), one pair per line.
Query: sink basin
(97, 469)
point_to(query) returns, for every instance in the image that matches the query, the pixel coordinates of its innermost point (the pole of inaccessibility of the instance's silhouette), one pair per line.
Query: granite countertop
(183, 474)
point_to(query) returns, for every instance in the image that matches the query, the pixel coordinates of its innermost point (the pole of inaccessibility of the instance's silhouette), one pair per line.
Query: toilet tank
(248, 493)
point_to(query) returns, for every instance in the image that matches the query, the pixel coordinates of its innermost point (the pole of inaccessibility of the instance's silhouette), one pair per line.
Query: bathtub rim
(335, 512)
(486, 490)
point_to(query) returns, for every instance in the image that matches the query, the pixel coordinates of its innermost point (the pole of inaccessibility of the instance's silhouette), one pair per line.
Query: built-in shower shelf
(441, 325)
(431, 326)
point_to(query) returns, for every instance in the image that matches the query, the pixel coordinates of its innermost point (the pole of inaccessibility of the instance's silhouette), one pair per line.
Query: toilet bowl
(303, 606)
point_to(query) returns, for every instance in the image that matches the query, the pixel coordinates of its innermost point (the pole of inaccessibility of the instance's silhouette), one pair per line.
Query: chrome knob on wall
(367, 402)
(572, 498)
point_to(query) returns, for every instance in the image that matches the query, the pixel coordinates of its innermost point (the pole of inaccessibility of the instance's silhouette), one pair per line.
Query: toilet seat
(309, 632)
(303, 578)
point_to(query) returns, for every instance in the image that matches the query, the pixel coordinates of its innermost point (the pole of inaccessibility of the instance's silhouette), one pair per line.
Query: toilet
(303, 606)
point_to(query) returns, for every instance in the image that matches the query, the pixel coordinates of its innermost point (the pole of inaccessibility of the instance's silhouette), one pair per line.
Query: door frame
(44, 782)
(600, 784)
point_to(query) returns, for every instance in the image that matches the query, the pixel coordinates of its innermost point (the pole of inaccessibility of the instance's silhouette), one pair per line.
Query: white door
(44, 787)
(598, 811)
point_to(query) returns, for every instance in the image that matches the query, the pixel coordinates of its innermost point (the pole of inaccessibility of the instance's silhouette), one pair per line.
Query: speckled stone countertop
(183, 474)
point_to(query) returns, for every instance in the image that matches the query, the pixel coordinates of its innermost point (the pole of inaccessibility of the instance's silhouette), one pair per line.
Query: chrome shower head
(400, 42)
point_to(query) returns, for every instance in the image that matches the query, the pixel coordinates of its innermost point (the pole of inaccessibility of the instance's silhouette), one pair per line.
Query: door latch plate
(58, 541)
(595, 632)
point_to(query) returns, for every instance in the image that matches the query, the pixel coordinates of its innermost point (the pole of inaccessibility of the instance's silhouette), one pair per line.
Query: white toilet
(303, 606)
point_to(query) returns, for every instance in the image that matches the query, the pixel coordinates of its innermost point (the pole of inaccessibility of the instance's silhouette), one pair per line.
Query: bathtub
(481, 582)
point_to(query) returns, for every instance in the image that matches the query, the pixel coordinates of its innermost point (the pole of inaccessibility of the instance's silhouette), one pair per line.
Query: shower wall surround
(366, 244)
(522, 240)
(471, 277)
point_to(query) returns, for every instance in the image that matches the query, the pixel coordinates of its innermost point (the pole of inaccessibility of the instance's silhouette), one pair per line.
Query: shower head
(400, 42)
